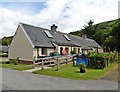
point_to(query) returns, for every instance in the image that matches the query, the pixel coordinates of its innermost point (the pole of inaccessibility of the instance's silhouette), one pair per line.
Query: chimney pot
(53, 27)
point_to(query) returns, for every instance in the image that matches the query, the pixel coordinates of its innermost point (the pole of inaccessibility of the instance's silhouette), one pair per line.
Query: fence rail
(54, 61)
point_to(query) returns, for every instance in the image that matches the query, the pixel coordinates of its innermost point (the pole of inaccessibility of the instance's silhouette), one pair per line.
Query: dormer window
(67, 37)
(48, 34)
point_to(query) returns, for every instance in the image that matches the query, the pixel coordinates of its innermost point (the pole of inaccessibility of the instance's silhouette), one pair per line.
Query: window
(67, 50)
(61, 49)
(44, 51)
(78, 50)
(67, 37)
(48, 34)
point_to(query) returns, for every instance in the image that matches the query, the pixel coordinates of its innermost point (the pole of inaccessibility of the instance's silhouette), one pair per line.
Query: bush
(97, 62)
(8, 62)
(117, 57)
(73, 52)
(100, 61)
(82, 67)
(15, 61)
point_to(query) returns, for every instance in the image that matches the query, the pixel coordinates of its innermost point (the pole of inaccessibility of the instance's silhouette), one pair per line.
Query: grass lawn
(119, 72)
(72, 72)
(16, 67)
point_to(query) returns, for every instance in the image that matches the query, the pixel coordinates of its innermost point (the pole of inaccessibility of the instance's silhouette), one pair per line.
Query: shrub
(100, 61)
(97, 62)
(73, 52)
(82, 67)
(15, 61)
(8, 62)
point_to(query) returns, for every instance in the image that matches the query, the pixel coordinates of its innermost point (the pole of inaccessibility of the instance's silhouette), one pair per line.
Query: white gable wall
(21, 46)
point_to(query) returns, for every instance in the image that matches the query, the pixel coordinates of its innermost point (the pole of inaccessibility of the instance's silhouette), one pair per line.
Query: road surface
(18, 80)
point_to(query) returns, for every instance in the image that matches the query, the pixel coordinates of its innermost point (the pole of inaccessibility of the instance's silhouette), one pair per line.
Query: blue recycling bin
(78, 61)
(81, 60)
(86, 61)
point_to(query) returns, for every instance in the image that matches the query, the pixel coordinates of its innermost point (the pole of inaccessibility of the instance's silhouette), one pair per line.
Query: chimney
(84, 36)
(53, 27)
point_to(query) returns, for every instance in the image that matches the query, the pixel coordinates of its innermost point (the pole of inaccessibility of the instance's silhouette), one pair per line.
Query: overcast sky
(68, 15)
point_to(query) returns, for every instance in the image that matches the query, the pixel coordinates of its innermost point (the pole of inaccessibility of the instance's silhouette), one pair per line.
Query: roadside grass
(72, 72)
(118, 60)
(16, 67)
(119, 72)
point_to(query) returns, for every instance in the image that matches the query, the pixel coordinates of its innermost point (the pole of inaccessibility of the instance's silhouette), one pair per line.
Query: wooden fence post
(66, 61)
(107, 61)
(58, 64)
(50, 61)
(33, 62)
(73, 61)
(42, 65)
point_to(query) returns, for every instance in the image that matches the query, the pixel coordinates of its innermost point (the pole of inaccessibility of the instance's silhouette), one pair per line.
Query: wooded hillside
(107, 34)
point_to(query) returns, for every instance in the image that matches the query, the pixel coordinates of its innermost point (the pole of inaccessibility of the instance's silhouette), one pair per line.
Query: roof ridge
(76, 36)
(33, 26)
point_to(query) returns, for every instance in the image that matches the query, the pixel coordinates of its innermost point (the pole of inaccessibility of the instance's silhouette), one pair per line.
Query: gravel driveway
(18, 80)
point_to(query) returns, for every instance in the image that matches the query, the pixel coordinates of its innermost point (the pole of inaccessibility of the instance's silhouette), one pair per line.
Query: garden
(99, 64)
(73, 72)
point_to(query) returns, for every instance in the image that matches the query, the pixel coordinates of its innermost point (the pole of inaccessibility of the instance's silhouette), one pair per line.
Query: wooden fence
(54, 61)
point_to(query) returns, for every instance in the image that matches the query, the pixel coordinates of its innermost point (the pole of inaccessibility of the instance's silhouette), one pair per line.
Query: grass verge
(16, 67)
(71, 72)
(119, 72)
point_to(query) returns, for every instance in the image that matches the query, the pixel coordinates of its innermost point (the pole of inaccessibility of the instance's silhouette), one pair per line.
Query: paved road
(17, 80)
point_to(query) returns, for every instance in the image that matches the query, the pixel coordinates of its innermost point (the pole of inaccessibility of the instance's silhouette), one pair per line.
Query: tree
(116, 34)
(6, 40)
(90, 23)
(110, 42)
(88, 29)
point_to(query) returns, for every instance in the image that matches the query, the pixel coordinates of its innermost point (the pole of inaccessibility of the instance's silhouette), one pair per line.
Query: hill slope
(102, 30)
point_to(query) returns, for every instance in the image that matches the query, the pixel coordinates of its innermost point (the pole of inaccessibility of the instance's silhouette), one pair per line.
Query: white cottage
(30, 41)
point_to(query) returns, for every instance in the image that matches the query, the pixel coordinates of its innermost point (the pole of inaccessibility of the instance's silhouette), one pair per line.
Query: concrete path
(35, 69)
(17, 80)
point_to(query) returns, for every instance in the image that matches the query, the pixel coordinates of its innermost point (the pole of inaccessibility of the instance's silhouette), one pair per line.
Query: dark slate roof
(92, 43)
(40, 39)
(85, 43)
(86, 47)
(4, 48)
